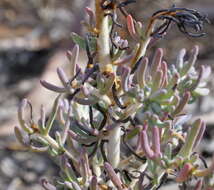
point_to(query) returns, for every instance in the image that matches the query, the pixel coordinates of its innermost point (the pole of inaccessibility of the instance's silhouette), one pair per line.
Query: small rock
(208, 146)
(29, 177)
(36, 164)
(36, 187)
(14, 185)
(22, 156)
(207, 104)
(9, 167)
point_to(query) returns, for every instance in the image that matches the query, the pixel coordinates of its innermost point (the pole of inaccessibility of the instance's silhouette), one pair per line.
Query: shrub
(122, 119)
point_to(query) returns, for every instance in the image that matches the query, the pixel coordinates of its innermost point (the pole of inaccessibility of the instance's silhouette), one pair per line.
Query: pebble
(8, 167)
(30, 177)
(208, 146)
(36, 164)
(16, 182)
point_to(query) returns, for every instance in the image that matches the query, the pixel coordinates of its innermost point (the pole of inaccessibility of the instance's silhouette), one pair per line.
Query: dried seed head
(185, 19)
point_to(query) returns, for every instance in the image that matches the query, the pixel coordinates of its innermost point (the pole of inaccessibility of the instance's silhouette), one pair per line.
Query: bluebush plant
(122, 119)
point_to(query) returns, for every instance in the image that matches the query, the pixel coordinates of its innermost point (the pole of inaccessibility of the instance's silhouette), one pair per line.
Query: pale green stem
(55, 145)
(141, 50)
(161, 173)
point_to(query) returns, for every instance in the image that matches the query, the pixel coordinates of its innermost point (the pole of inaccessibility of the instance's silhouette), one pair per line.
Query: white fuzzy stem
(103, 44)
(113, 147)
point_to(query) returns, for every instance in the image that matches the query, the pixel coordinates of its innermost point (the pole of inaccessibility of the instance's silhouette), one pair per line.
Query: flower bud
(73, 58)
(183, 102)
(184, 173)
(191, 62)
(113, 176)
(141, 72)
(130, 26)
(191, 138)
(156, 62)
(46, 185)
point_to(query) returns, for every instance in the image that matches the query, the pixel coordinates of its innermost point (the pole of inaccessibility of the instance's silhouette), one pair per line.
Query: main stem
(113, 147)
(103, 51)
(103, 41)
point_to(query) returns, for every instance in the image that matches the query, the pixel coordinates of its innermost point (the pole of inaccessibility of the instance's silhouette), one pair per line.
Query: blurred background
(34, 36)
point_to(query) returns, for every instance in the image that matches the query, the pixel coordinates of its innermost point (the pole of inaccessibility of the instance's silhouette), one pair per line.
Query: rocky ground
(33, 39)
